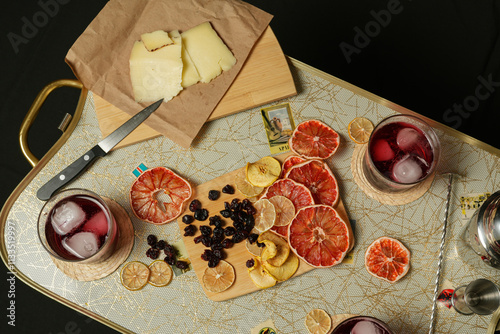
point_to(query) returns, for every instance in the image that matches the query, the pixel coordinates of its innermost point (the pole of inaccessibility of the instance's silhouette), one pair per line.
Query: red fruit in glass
(401, 152)
(89, 232)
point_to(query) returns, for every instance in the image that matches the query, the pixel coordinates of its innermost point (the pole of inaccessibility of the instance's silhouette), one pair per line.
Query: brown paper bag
(100, 56)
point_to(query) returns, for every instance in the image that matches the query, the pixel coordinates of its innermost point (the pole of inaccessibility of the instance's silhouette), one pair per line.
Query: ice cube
(366, 327)
(407, 170)
(67, 217)
(407, 137)
(98, 224)
(81, 244)
(382, 151)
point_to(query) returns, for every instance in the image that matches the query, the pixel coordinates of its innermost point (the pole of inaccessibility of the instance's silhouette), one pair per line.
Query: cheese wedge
(155, 75)
(190, 74)
(155, 40)
(207, 51)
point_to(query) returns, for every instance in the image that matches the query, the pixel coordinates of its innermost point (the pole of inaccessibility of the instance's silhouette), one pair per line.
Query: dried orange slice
(314, 139)
(318, 322)
(146, 191)
(265, 215)
(263, 172)
(360, 129)
(245, 187)
(134, 275)
(160, 273)
(219, 278)
(319, 179)
(388, 259)
(319, 236)
(285, 210)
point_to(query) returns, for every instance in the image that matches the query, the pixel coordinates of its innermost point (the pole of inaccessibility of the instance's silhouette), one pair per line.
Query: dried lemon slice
(318, 322)
(259, 276)
(359, 130)
(160, 273)
(219, 278)
(285, 210)
(265, 215)
(245, 187)
(263, 172)
(134, 275)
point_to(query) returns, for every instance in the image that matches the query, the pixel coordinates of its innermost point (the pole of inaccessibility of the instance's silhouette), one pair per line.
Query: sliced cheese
(207, 51)
(190, 74)
(155, 40)
(155, 75)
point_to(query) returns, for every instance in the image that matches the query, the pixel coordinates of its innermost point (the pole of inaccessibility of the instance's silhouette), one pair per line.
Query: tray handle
(33, 112)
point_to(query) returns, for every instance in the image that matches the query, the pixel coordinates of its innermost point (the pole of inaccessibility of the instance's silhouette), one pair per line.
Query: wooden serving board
(265, 77)
(238, 254)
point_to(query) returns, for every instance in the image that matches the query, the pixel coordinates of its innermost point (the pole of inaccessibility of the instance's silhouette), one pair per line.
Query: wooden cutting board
(265, 77)
(238, 254)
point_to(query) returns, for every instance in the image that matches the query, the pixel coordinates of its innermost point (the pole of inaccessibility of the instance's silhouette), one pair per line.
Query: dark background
(431, 57)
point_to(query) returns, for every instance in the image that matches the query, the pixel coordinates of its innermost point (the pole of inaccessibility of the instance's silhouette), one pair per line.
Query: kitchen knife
(100, 150)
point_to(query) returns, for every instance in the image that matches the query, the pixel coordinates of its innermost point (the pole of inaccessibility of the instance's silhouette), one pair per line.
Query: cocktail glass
(360, 325)
(402, 152)
(76, 225)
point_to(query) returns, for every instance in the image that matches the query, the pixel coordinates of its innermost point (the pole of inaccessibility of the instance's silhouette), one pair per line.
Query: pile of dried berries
(215, 236)
(170, 252)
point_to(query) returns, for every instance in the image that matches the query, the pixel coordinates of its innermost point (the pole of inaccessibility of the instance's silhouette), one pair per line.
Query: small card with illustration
(279, 125)
(469, 203)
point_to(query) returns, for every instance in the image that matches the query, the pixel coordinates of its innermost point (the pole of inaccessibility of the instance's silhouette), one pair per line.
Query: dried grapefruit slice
(285, 210)
(134, 275)
(319, 236)
(289, 162)
(388, 259)
(318, 322)
(319, 179)
(314, 139)
(295, 192)
(219, 278)
(155, 182)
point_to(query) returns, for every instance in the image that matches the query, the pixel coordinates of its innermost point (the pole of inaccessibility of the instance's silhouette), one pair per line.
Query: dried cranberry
(182, 264)
(161, 244)
(153, 253)
(197, 239)
(218, 231)
(194, 205)
(253, 237)
(261, 244)
(235, 204)
(206, 241)
(215, 220)
(170, 251)
(239, 226)
(187, 219)
(201, 214)
(227, 243)
(219, 253)
(152, 240)
(213, 262)
(250, 263)
(207, 255)
(216, 246)
(205, 230)
(225, 213)
(189, 230)
(229, 231)
(170, 260)
(228, 189)
(213, 195)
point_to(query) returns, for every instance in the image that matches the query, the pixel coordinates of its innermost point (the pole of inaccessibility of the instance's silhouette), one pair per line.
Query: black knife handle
(69, 173)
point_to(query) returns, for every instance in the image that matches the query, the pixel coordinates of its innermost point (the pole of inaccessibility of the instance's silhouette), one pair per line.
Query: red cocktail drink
(76, 225)
(362, 325)
(402, 152)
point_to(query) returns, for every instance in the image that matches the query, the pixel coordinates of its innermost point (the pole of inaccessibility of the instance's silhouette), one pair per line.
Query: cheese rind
(207, 51)
(155, 75)
(155, 40)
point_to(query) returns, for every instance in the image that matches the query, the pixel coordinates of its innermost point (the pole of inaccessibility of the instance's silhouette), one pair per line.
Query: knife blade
(101, 149)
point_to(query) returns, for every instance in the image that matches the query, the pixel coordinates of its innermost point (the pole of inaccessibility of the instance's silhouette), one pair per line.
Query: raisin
(152, 240)
(213, 195)
(153, 253)
(235, 204)
(182, 264)
(189, 230)
(205, 230)
(218, 231)
(215, 220)
(227, 243)
(201, 214)
(229, 231)
(206, 241)
(228, 189)
(170, 260)
(207, 255)
(161, 244)
(219, 253)
(187, 219)
(226, 213)
(253, 237)
(170, 251)
(213, 262)
(194, 205)
(250, 263)
(197, 239)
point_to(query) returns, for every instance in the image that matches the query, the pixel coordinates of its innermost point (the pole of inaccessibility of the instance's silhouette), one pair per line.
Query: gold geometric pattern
(227, 144)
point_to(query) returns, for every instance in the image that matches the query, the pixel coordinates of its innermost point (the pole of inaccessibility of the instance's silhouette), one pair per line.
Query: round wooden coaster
(399, 198)
(94, 271)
